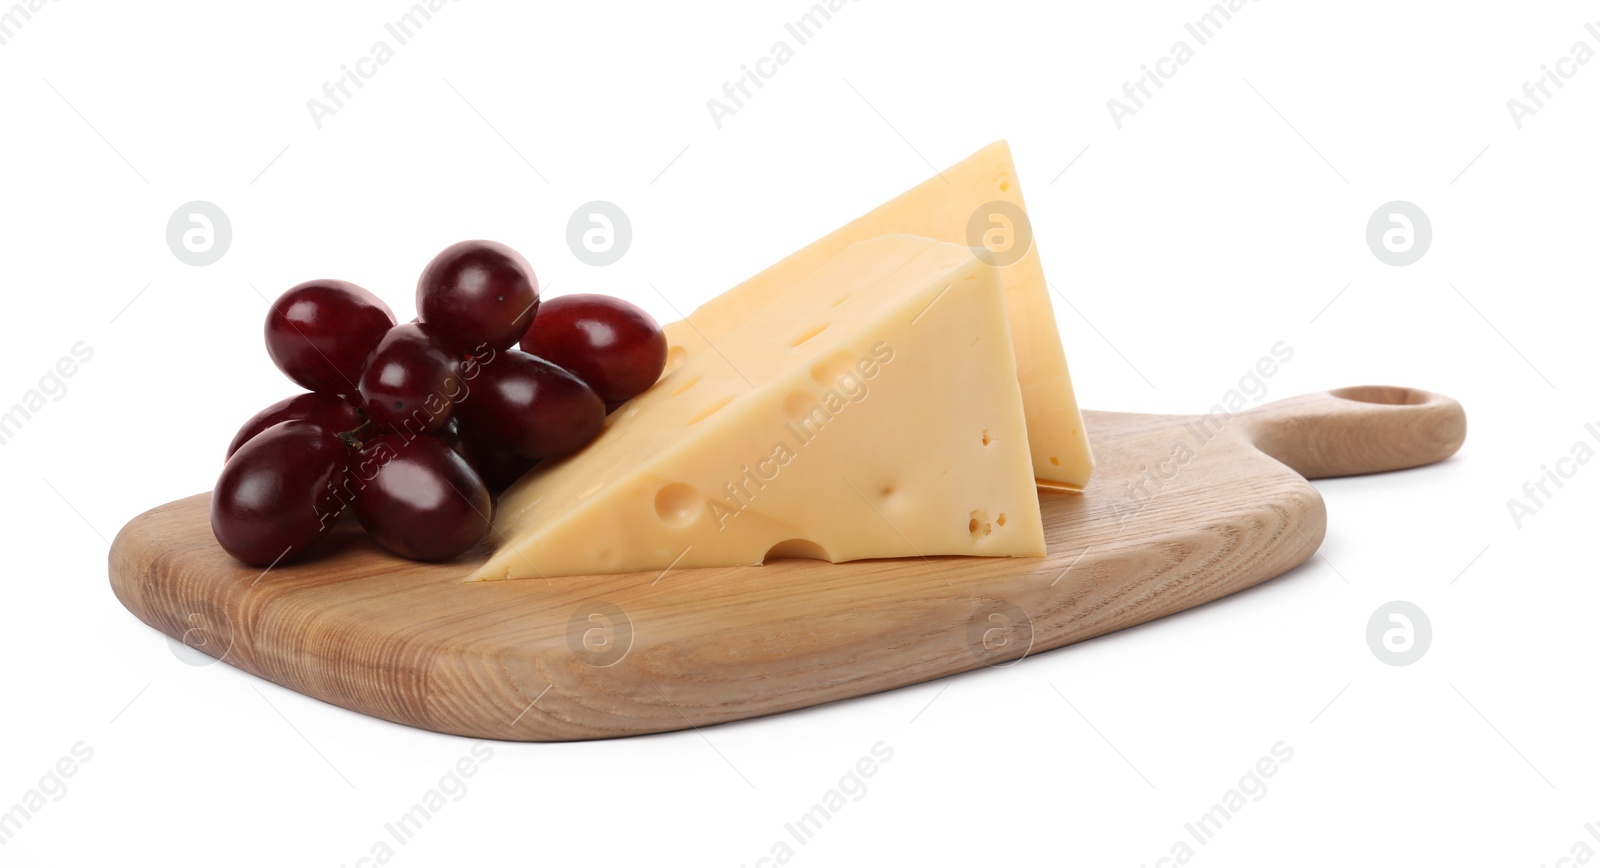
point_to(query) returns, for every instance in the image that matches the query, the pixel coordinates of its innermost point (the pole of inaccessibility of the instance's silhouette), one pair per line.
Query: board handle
(1359, 429)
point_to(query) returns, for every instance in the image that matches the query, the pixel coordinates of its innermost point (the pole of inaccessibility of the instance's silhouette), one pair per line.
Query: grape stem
(352, 437)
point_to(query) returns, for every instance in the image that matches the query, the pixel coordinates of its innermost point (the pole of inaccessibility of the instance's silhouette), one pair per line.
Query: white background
(1225, 216)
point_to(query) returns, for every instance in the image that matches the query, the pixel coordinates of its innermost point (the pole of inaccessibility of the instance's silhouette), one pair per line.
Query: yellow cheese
(977, 202)
(870, 411)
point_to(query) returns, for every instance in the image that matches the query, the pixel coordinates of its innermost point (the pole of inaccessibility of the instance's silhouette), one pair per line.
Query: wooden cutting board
(1182, 510)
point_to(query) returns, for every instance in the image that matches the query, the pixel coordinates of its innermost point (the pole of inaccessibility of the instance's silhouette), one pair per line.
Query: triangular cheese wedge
(977, 202)
(870, 411)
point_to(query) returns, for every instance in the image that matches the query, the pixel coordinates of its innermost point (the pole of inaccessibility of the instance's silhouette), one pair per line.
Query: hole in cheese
(986, 438)
(676, 356)
(797, 548)
(832, 368)
(713, 407)
(978, 524)
(687, 385)
(677, 504)
(798, 404)
(808, 334)
(1001, 520)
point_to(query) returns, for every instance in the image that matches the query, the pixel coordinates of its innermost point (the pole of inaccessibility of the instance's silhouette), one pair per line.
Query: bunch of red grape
(416, 425)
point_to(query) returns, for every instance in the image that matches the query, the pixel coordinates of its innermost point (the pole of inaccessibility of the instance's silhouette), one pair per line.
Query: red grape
(415, 425)
(609, 343)
(411, 383)
(478, 293)
(321, 332)
(527, 406)
(497, 467)
(332, 412)
(277, 496)
(449, 434)
(418, 498)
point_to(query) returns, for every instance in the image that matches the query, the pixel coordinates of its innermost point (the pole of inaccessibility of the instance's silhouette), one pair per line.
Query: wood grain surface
(1181, 511)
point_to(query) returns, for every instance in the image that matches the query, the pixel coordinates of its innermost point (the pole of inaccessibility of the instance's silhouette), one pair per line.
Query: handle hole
(1395, 395)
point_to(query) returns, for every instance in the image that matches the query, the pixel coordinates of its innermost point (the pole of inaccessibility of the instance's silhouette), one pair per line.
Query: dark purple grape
(278, 495)
(609, 343)
(495, 466)
(498, 467)
(478, 293)
(418, 498)
(411, 383)
(321, 332)
(530, 407)
(331, 412)
(449, 434)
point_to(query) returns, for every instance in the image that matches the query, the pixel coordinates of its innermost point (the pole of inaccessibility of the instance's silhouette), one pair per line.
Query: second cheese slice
(871, 411)
(975, 202)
